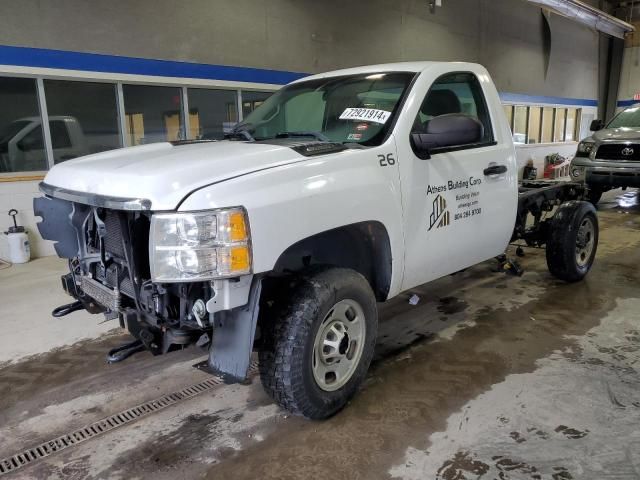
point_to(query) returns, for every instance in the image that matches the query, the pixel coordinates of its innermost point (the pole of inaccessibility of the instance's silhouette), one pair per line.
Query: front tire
(317, 348)
(572, 241)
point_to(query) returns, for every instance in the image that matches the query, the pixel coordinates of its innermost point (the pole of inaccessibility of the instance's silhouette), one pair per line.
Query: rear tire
(317, 348)
(572, 241)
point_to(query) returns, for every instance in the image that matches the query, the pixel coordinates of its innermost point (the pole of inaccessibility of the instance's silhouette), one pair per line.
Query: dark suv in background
(610, 157)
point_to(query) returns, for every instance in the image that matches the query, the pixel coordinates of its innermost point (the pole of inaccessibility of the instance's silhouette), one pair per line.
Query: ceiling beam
(587, 15)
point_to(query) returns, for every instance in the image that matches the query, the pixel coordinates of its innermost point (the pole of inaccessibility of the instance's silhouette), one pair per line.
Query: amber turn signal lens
(237, 227)
(240, 261)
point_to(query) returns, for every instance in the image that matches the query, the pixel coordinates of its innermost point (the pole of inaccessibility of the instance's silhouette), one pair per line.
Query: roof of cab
(381, 68)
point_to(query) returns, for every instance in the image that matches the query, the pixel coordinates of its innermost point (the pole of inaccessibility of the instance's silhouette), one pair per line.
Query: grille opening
(615, 152)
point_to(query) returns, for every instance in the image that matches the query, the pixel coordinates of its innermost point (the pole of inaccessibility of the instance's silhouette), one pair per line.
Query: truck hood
(617, 135)
(164, 173)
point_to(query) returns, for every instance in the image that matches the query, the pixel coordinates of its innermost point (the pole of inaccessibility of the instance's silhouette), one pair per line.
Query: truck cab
(22, 142)
(340, 191)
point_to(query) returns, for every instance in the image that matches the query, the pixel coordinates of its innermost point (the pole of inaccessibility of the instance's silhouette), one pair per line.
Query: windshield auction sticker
(366, 115)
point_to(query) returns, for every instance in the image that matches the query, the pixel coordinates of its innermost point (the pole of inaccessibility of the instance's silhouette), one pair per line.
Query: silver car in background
(610, 157)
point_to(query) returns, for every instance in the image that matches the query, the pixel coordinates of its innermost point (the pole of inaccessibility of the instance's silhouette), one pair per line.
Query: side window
(32, 140)
(59, 135)
(455, 93)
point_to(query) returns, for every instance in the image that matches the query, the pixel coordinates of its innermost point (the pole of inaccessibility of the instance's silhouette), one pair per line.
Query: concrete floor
(28, 294)
(490, 376)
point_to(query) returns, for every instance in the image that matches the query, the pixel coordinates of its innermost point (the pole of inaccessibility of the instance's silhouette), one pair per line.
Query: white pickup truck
(342, 190)
(22, 142)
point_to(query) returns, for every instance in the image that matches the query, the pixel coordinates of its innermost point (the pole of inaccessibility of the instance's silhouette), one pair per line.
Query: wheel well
(363, 247)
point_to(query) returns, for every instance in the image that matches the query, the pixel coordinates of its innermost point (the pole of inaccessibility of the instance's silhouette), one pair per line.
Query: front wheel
(318, 348)
(572, 241)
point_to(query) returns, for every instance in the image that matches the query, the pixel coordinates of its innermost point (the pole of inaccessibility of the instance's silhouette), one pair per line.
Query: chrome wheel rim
(585, 242)
(338, 345)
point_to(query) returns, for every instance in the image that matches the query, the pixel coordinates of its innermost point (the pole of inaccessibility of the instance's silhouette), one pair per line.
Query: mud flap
(233, 335)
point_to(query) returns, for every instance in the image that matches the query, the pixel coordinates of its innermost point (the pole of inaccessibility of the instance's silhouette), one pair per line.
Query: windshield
(348, 109)
(9, 131)
(628, 118)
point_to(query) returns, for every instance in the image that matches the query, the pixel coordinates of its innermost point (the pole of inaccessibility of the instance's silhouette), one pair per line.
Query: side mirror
(596, 125)
(451, 130)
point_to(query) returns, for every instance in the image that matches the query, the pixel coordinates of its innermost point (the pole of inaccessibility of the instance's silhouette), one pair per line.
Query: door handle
(495, 170)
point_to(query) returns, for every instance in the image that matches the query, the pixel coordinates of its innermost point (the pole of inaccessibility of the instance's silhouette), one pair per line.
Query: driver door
(461, 196)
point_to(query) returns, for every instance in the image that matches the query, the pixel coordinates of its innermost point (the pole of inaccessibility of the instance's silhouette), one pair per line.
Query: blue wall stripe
(95, 62)
(520, 97)
(627, 103)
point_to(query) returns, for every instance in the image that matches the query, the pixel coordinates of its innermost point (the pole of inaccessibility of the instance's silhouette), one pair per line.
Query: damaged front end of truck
(172, 279)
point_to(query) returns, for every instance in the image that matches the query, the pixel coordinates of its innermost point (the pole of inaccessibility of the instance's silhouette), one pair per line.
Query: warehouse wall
(508, 36)
(630, 74)
(524, 53)
(630, 77)
(19, 195)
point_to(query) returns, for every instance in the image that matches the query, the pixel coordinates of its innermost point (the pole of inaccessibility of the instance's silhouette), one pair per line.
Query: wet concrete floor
(490, 376)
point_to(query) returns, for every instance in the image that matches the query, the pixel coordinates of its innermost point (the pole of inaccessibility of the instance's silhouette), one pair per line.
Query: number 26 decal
(386, 160)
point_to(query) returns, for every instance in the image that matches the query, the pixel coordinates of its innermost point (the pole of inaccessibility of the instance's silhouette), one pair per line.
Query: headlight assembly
(585, 149)
(195, 246)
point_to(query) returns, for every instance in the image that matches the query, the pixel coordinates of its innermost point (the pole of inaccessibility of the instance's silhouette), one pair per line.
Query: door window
(456, 93)
(33, 140)
(59, 135)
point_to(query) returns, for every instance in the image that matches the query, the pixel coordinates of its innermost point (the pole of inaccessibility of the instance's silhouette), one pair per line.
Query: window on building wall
(547, 124)
(212, 113)
(252, 100)
(83, 118)
(558, 130)
(572, 125)
(60, 137)
(535, 122)
(21, 136)
(520, 124)
(152, 114)
(508, 111)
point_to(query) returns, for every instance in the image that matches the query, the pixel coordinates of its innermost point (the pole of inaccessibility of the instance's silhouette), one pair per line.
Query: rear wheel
(318, 347)
(573, 241)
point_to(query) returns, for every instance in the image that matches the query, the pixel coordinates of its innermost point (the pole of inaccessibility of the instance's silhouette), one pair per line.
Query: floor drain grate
(126, 417)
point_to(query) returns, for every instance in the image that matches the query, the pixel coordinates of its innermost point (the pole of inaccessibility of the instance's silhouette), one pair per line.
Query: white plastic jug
(19, 248)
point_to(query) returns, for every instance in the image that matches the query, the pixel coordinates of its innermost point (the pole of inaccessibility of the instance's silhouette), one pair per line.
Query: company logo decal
(627, 152)
(440, 215)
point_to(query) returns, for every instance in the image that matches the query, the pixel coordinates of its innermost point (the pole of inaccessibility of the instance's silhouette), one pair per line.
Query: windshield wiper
(316, 135)
(240, 134)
